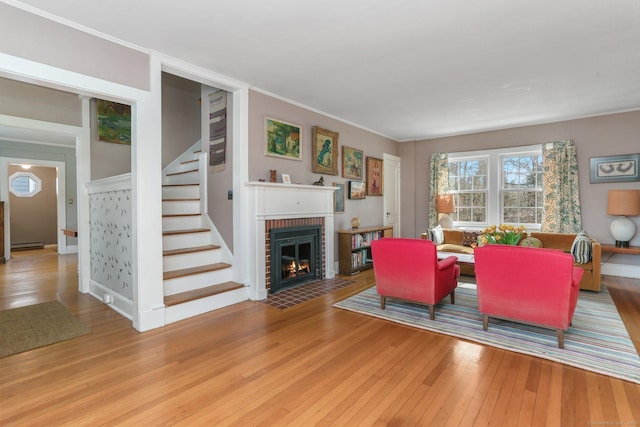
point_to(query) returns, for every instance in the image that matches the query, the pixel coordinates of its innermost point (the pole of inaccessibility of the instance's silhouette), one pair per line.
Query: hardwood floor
(253, 364)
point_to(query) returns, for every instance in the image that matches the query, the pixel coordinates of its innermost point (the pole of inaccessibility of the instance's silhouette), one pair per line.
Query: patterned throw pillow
(436, 235)
(581, 248)
(531, 242)
(470, 238)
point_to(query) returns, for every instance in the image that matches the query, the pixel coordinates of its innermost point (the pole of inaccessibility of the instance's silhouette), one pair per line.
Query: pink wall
(594, 137)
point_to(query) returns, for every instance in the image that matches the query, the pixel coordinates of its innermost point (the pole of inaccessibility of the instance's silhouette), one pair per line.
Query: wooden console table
(614, 249)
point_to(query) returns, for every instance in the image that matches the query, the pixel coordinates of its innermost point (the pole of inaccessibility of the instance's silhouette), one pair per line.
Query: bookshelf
(354, 247)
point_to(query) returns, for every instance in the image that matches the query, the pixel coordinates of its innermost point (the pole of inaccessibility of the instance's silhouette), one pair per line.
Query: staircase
(197, 265)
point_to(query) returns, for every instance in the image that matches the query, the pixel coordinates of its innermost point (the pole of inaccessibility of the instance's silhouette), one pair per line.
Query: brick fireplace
(279, 206)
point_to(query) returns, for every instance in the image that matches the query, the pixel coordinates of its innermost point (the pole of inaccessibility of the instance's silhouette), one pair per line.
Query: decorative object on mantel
(286, 178)
(282, 139)
(374, 176)
(615, 168)
(623, 203)
(273, 175)
(355, 223)
(352, 163)
(445, 206)
(319, 182)
(357, 190)
(324, 151)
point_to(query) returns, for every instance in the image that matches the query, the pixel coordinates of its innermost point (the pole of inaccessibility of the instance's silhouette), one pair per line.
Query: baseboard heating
(28, 245)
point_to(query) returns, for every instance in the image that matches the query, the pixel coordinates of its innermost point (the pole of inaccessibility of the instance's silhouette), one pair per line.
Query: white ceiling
(407, 69)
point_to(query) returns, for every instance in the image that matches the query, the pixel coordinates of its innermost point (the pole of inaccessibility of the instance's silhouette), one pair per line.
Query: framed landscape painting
(114, 122)
(324, 154)
(282, 139)
(357, 190)
(352, 163)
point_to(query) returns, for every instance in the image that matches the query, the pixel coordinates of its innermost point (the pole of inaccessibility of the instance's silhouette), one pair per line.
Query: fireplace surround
(275, 205)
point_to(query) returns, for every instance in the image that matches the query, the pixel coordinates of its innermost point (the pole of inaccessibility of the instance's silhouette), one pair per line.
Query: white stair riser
(180, 207)
(178, 312)
(181, 192)
(181, 241)
(171, 223)
(196, 281)
(185, 178)
(194, 259)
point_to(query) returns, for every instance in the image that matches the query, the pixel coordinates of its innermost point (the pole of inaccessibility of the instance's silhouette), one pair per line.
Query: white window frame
(33, 177)
(494, 180)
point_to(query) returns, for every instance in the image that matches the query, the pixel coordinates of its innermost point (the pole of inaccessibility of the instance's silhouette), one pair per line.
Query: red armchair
(409, 269)
(528, 285)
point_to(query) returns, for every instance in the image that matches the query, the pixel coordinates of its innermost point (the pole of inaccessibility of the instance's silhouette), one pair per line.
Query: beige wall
(41, 40)
(34, 219)
(594, 137)
(369, 210)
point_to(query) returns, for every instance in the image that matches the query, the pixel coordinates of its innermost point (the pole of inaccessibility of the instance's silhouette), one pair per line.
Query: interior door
(391, 192)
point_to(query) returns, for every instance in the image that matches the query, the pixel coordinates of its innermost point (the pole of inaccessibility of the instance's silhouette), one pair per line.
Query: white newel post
(270, 201)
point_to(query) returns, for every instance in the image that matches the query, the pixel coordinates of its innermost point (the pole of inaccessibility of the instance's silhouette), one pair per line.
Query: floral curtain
(438, 183)
(562, 212)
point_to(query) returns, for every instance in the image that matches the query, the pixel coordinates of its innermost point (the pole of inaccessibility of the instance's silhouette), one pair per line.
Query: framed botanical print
(352, 165)
(282, 139)
(338, 197)
(374, 176)
(357, 190)
(324, 151)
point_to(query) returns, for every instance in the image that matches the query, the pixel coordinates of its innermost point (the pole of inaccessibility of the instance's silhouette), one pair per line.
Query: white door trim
(396, 193)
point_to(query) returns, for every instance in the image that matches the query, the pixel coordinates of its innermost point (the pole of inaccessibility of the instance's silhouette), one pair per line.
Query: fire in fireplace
(296, 256)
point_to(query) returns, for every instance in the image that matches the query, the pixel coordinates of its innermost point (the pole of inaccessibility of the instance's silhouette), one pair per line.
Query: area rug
(597, 341)
(294, 296)
(34, 326)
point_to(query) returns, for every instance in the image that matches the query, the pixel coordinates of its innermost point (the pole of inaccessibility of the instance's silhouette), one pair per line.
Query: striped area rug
(597, 341)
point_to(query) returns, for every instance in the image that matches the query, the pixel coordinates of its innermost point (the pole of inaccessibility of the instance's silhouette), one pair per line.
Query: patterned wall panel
(111, 251)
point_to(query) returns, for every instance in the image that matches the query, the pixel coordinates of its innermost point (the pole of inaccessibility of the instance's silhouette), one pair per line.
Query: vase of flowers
(502, 235)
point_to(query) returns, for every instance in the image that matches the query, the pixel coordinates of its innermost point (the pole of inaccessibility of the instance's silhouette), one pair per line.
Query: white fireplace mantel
(268, 201)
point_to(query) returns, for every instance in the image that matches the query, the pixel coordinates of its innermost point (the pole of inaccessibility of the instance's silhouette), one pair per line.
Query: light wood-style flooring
(252, 364)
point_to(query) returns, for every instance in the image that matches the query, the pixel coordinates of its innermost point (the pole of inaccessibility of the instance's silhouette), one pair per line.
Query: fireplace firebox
(296, 256)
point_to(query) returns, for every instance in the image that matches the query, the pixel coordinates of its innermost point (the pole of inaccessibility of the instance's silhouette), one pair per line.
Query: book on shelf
(360, 240)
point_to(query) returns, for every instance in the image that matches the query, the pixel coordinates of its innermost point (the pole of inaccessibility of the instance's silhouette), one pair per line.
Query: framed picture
(114, 122)
(352, 163)
(338, 197)
(286, 178)
(282, 139)
(615, 168)
(357, 190)
(374, 176)
(324, 147)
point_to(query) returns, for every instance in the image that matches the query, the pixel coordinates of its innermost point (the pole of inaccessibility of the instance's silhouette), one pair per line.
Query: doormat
(34, 326)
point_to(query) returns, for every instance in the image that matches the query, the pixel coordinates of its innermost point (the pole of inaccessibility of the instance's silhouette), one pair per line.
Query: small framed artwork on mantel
(286, 178)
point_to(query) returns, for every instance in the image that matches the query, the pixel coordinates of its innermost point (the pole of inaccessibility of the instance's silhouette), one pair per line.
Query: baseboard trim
(620, 270)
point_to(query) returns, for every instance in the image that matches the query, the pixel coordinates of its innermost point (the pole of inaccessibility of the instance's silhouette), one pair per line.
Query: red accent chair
(536, 286)
(409, 269)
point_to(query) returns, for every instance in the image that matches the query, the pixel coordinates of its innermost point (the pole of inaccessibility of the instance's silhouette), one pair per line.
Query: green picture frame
(282, 139)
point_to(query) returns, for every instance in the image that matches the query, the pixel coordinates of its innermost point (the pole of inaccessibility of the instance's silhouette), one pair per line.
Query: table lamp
(445, 206)
(623, 203)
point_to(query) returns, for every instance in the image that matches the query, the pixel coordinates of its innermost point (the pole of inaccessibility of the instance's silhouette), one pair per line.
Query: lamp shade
(624, 202)
(445, 204)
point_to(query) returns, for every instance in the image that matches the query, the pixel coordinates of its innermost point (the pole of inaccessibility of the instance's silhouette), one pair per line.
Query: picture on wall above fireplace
(615, 168)
(357, 189)
(282, 139)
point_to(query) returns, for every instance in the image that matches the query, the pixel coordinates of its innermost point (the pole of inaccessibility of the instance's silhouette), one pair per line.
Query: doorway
(37, 198)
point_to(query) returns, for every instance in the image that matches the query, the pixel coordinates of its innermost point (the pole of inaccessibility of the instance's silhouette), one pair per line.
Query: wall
(48, 152)
(48, 42)
(107, 158)
(34, 219)
(608, 135)
(369, 210)
(39, 103)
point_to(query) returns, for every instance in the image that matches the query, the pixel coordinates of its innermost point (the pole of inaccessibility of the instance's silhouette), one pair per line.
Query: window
(24, 184)
(497, 186)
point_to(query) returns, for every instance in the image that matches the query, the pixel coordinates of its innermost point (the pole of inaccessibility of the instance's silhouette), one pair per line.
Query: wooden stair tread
(180, 185)
(183, 297)
(181, 172)
(190, 250)
(194, 270)
(184, 199)
(189, 231)
(189, 161)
